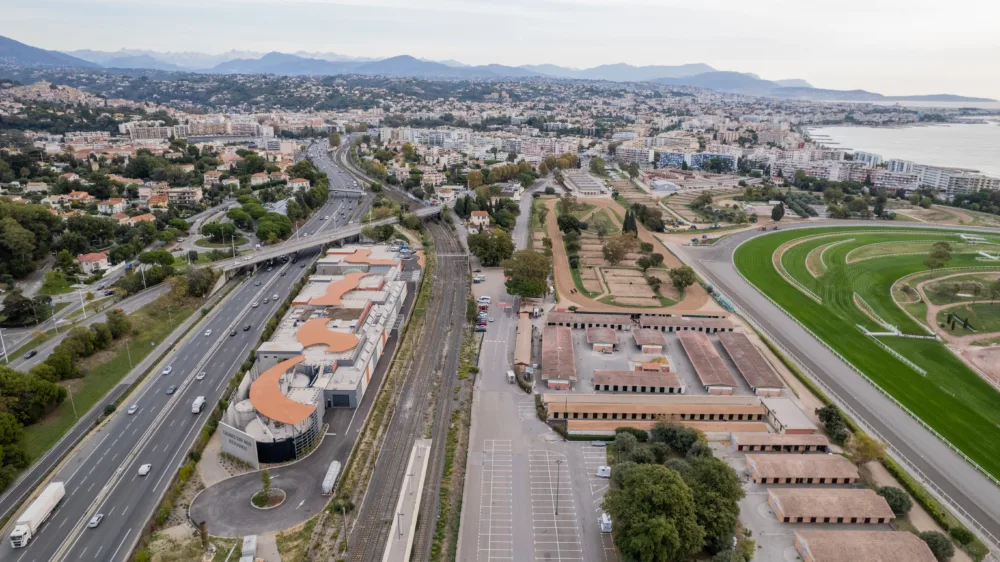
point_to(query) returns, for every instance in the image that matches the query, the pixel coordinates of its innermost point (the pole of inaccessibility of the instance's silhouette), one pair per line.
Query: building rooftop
(522, 344)
(711, 370)
(602, 336)
(769, 439)
(557, 354)
(556, 317)
(867, 546)
(94, 256)
(268, 399)
(649, 336)
(685, 322)
(750, 362)
(637, 378)
(788, 414)
(831, 502)
(782, 465)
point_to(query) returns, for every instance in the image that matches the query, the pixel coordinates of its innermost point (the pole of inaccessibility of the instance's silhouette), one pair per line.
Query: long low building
(589, 320)
(829, 505)
(779, 442)
(608, 427)
(708, 364)
(645, 382)
(649, 340)
(558, 364)
(686, 324)
(759, 374)
(677, 408)
(801, 469)
(522, 343)
(862, 546)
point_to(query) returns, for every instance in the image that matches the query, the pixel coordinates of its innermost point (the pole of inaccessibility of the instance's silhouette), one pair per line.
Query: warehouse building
(801, 469)
(686, 324)
(779, 443)
(584, 320)
(593, 412)
(602, 340)
(858, 546)
(829, 505)
(708, 365)
(649, 340)
(644, 382)
(558, 362)
(759, 374)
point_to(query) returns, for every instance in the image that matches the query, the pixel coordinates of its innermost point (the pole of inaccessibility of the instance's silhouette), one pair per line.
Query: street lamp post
(558, 467)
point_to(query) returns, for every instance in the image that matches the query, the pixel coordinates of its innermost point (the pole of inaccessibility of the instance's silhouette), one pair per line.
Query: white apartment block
(145, 130)
(954, 181)
(634, 155)
(895, 165)
(869, 158)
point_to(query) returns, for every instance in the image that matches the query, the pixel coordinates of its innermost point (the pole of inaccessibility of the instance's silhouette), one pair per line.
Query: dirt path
(933, 310)
(695, 299)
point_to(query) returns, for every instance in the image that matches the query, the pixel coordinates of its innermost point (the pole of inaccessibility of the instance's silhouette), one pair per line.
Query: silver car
(95, 520)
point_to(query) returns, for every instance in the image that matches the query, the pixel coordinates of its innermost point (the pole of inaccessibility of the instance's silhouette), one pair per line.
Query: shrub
(640, 434)
(898, 500)
(962, 535)
(625, 443)
(643, 456)
(940, 545)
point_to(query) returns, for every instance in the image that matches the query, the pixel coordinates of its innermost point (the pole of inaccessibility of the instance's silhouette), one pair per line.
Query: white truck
(31, 520)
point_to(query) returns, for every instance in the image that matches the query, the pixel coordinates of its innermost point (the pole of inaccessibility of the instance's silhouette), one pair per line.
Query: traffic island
(268, 499)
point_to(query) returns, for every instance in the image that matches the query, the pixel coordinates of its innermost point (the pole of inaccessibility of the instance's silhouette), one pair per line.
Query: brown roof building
(558, 365)
(685, 324)
(522, 344)
(602, 339)
(829, 505)
(779, 442)
(583, 320)
(751, 363)
(679, 408)
(801, 469)
(649, 340)
(858, 546)
(708, 364)
(660, 382)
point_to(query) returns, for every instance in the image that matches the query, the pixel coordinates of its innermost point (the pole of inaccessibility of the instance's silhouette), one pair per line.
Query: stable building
(602, 340)
(643, 382)
(759, 374)
(649, 340)
(708, 365)
(861, 546)
(586, 320)
(829, 505)
(558, 363)
(801, 469)
(686, 324)
(779, 442)
(786, 417)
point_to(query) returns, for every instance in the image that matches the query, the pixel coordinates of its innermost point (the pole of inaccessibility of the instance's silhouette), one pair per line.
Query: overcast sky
(892, 47)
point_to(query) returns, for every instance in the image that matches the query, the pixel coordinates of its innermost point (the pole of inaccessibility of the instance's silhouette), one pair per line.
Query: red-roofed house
(111, 206)
(212, 178)
(81, 196)
(70, 176)
(278, 176)
(132, 221)
(259, 179)
(480, 218)
(158, 201)
(298, 183)
(92, 262)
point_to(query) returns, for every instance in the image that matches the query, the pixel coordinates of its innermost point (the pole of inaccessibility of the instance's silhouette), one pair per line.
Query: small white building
(93, 262)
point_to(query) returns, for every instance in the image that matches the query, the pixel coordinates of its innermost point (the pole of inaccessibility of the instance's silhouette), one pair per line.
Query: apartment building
(146, 130)
(896, 165)
(671, 160)
(953, 181)
(700, 160)
(184, 195)
(869, 158)
(634, 155)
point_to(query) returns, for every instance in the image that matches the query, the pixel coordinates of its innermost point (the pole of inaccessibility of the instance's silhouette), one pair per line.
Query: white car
(168, 369)
(255, 304)
(95, 520)
(274, 297)
(144, 469)
(208, 333)
(133, 409)
(199, 376)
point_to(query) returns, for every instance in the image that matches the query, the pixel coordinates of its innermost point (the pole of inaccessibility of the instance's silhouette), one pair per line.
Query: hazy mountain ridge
(15, 52)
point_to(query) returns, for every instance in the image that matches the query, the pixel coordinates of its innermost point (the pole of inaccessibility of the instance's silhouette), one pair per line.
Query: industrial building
(584, 320)
(801, 469)
(857, 546)
(646, 382)
(322, 355)
(779, 442)
(829, 505)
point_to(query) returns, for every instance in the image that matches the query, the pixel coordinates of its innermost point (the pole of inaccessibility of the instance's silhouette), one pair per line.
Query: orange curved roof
(266, 396)
(361, 255)
(337, 289)
(315, 332)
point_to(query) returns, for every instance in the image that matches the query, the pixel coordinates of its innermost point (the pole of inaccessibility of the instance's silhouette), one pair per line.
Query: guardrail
(896, 452)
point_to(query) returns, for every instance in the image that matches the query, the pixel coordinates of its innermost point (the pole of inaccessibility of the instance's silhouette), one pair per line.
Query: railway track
(439, 341)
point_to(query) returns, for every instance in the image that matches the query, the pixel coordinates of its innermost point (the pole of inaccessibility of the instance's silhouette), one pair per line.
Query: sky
(894, 47)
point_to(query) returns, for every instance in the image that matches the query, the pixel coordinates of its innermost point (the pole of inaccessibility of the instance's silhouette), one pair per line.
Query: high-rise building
(869, 158)
(896, 165)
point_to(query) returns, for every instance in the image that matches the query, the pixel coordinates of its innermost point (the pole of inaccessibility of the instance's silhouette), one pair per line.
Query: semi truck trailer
(30, 521)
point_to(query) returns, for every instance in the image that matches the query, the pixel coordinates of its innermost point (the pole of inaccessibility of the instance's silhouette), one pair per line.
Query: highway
(926, 456)
(101, 475)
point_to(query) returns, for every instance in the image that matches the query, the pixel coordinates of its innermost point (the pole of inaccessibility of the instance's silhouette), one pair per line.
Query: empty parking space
(594, 458)
(495, 515)
(553, 509)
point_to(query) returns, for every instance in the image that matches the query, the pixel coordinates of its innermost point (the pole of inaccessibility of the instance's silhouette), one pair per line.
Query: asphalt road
(101, 477)
(940, 466)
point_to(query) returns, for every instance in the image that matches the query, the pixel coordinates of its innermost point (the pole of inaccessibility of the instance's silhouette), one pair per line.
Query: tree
(939, 256)
(940, 545)
(898, 500)
(728, 556)
(265, 481)
(865, 449)
(527, 272)
(334, 139)
(568, 223)
(618, 247)
(777, 212)
(717, 491)
(682, 277)
(66, 263)
(597, 166)
(625, 444)
(654, 515)
(118, 323)
(644, 263)
(492, 246)
(962, 535)
(474, 179)
(161, 257)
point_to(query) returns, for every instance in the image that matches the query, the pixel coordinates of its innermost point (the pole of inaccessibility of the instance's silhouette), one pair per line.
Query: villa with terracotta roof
(298, 183)
(324, 352)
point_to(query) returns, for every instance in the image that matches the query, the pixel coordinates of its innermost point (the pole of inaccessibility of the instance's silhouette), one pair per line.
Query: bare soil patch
(638, 288)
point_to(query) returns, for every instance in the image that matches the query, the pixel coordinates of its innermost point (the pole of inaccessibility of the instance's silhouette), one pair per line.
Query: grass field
(950, 398)
(207, 243)
(983, 317)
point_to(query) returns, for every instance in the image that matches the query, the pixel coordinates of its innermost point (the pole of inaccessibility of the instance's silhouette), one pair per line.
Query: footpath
(29, 479)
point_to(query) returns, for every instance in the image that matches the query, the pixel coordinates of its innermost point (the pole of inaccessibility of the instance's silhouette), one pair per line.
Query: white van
(510, 377)
(605, 522)
(198, 405)
(484, 300)
(604, 472)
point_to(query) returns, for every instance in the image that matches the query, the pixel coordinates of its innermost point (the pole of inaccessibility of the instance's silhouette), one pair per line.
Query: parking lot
(495, 503)
(593, 458)
(556, 529)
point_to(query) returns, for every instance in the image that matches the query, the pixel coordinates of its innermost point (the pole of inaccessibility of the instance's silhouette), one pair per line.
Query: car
(598, 443)
(477, 270)
(95, 520)
(144, 469)
(208, 333)
(232, 333)
(323, 218)
(302, 266)
(274, 296)
(491, 318)
(31, 354)
(266, 300)
(283, 273)
(246, 328)
(257, 284)
(200, 376)
(133, 409)
(171, 389)
(255, 304)
(168, 369)
(269, 268)
(109, 292)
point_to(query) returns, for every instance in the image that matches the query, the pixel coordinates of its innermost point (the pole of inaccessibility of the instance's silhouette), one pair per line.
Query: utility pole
(129, 352)
(83, 304)
(143, 272)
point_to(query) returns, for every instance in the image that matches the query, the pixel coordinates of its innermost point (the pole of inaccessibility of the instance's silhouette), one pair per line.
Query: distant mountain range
(697, 75)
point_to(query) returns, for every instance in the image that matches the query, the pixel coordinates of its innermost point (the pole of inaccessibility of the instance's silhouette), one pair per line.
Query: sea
(958, 145)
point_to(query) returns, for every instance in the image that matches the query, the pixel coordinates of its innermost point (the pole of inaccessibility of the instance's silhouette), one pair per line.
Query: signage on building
(239, 444)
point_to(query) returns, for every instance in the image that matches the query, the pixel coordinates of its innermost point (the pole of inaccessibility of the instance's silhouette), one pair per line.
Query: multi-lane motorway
(102, 475)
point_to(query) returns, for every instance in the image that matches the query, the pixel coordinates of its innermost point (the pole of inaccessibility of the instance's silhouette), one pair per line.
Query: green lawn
(950, 398)
(107, 368)
(983, 318)
(60, 288)
(599, 219)
(207, 243)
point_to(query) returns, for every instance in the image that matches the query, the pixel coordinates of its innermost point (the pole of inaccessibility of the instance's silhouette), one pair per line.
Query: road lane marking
(127, 533)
